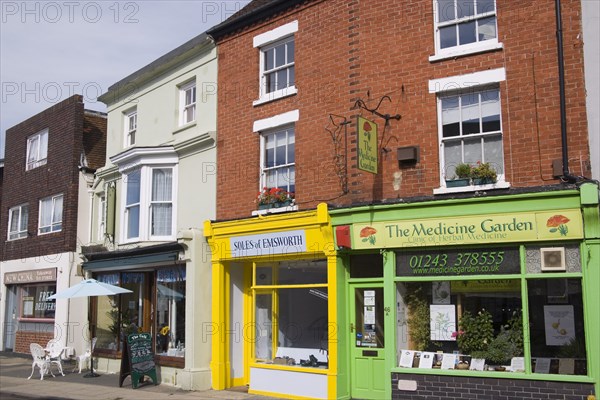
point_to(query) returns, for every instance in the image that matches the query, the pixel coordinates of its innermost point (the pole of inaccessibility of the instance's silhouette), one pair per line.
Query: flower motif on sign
(368, 234)
(558, 223)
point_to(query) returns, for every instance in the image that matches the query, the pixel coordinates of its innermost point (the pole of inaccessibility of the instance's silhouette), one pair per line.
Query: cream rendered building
(150, 199)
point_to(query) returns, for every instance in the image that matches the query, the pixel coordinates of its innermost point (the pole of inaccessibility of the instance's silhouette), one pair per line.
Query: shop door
(10, 328)
(367, 351)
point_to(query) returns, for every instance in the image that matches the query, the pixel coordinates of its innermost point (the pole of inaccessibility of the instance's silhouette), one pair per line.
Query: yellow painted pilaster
(219, 361)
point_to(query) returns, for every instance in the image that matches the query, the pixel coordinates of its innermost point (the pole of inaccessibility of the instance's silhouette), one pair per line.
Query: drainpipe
(566, 177)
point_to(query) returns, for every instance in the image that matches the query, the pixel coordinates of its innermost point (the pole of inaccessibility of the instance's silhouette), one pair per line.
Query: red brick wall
(347, 50)
(24, 338)
(59, 175)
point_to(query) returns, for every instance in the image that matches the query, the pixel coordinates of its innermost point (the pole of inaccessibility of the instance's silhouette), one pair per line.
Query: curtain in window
(162, 183)
(43, 151)
(14, 220)
(57, 211)
(46, 213)
(34, 143)
(111, 279)
(24, 218)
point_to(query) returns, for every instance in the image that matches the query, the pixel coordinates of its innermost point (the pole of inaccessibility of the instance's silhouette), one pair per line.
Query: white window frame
(468, 48)
(130, 132)
(146, 160)
(19, 233)
(264, 170)
(478, 81)
(55, 226)
(39, 155)
(184, 106)
(265, 42)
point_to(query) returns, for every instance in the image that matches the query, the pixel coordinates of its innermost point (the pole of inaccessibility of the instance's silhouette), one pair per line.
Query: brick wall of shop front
(458, 387)
(25, 338)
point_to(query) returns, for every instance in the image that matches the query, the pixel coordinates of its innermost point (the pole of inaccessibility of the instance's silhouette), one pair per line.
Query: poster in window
(28, 306)
(406, 358)
(441, 292)
(559, 324)
(442, 321)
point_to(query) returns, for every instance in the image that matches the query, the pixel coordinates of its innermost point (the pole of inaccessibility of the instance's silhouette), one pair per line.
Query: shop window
(35, 303)
(557, 326)
(119, 316)
(290, 311)
(470, 324)
(170, 312)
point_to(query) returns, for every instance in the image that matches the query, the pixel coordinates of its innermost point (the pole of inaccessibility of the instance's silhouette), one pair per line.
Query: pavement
(15, 368)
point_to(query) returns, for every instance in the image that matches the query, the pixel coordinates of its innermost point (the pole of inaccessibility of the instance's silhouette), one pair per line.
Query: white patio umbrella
(89, 288)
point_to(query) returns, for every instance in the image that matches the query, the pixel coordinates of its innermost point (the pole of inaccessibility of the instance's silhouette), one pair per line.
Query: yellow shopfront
(275, 306)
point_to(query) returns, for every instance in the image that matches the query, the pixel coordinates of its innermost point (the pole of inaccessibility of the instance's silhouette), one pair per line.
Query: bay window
(148, 200)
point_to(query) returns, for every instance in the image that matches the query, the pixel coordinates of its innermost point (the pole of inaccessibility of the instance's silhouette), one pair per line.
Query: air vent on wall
(553, 259)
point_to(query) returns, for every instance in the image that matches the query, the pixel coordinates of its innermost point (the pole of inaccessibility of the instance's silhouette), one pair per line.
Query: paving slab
(14, 385)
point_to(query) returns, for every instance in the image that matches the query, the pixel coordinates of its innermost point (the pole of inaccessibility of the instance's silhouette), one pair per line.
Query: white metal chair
(83, 358)
(39, 360)
(55, 351)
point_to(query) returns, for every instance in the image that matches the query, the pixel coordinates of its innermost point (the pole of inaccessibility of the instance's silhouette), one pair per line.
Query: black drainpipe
(566, 177)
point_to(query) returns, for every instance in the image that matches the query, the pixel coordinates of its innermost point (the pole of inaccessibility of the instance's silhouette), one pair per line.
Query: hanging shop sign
(488, 261)
(490, 228)
(276, 243)
(31, 276)
(367, 145)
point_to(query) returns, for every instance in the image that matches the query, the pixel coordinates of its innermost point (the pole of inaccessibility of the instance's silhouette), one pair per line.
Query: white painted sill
(274, 210)
(182, 128)
(459, 52)
(472, 188)
(279, 94)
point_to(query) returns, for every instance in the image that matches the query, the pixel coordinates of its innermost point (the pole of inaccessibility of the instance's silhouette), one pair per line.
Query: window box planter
(277, 204)
(457, 182)
(483, 181)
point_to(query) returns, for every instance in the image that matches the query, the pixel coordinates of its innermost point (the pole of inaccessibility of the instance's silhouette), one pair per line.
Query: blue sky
(50, 50)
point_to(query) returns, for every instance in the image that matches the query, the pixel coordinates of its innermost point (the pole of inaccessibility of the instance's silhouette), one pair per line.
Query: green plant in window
(484, 171)
(463, 171)
(475, 332)
(500, 350)
(418, 317)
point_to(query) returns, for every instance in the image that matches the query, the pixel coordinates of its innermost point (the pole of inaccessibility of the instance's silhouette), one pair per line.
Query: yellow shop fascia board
(282, 235)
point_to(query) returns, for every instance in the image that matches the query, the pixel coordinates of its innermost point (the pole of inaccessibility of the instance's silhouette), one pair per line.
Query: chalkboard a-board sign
(138, 359)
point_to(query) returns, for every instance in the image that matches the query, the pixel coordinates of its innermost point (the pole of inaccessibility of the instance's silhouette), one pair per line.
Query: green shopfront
(494, 296)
